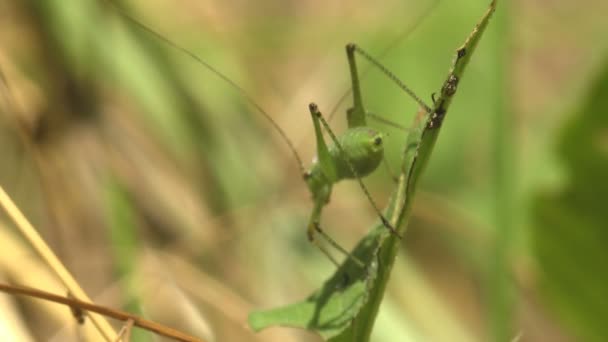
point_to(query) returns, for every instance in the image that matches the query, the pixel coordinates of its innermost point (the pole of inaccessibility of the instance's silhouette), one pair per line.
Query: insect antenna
(219, 74)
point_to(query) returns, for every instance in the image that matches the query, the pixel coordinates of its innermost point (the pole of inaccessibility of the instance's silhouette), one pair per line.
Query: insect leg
(314, 227)
(389, 170)
(350, 52)
(324, 158)
(356, 114)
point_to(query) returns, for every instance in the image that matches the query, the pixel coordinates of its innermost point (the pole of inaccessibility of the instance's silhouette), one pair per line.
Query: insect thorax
(364, 147)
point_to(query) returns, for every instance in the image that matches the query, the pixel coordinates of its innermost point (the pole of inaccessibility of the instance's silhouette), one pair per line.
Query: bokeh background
(166, 194)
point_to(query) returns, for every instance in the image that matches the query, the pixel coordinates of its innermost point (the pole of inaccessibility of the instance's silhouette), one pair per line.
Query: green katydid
(355, 154)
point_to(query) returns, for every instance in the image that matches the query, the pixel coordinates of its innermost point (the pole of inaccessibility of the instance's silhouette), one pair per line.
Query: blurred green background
(166, 194)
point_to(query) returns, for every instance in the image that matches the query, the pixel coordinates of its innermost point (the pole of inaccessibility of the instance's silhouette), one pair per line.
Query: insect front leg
(314, 228)
(324, 158)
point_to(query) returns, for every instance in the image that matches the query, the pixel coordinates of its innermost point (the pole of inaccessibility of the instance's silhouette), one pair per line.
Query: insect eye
(378, 141)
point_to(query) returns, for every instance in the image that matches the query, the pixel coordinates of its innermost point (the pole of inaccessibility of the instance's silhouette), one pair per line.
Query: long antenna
(219, 74)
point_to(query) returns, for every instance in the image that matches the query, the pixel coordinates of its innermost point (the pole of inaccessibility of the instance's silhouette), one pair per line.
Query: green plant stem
(499, 295)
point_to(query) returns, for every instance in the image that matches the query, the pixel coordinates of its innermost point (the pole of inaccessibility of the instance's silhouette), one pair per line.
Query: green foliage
(124, 245)
(570, 235)
(345, 307)
(189, 138)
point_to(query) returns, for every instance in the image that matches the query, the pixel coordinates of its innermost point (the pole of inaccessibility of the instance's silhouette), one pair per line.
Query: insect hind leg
(352, 48)
(314, 228)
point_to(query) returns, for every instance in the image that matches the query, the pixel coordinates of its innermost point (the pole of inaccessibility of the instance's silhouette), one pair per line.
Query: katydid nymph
(353, 155)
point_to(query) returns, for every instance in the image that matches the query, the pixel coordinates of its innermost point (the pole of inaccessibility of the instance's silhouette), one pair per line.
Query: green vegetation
(164, 191)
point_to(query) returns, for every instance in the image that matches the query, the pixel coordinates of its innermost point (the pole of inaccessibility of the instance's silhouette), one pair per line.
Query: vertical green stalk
(122, 225)
(499, 298)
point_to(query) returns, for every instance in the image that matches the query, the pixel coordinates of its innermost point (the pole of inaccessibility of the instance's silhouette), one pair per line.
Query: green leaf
(330, 309)
(124, 245)
(345, 307)
(570, 232)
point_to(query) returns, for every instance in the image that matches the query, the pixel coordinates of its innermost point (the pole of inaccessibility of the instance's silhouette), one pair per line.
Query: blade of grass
(499, 296)
(46, 254)
(569, 232)
(44, 251)
(122, 224)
